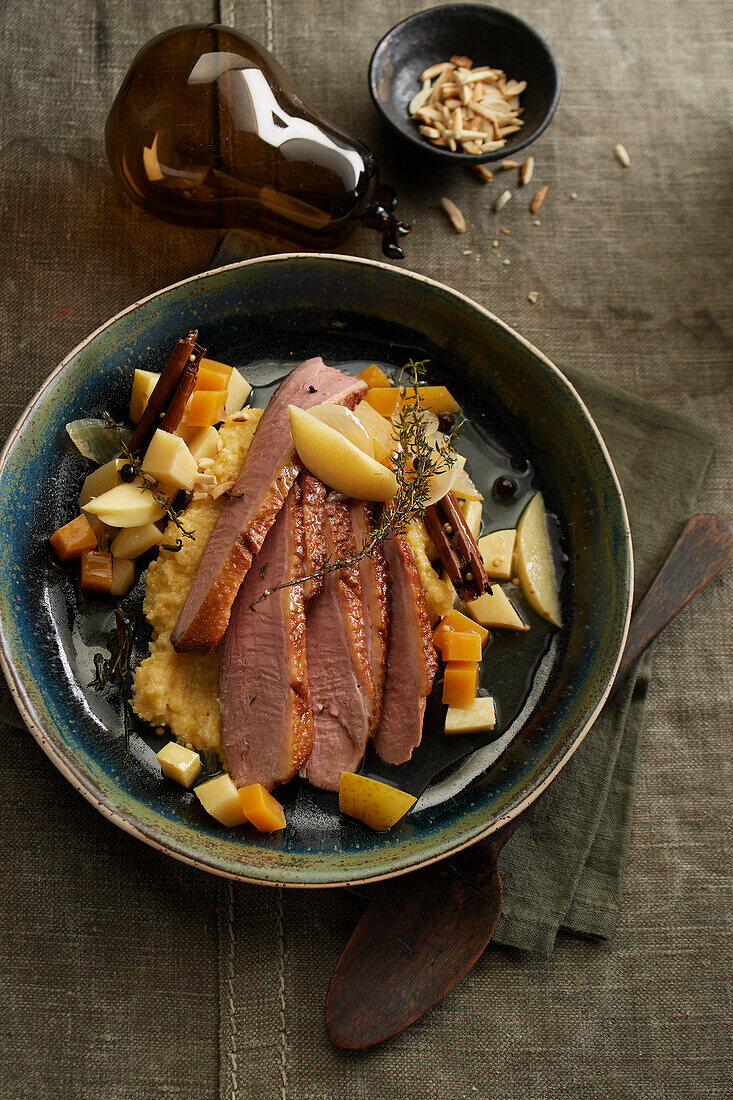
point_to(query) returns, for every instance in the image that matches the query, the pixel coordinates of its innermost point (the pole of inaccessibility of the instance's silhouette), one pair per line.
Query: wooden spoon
(423, 931)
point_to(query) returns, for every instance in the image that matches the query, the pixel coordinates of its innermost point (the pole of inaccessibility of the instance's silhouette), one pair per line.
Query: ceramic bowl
(490, 37)
(283, 309)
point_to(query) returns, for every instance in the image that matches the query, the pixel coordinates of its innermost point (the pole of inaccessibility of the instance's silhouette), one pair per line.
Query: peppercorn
(505, 487)
(127, 472)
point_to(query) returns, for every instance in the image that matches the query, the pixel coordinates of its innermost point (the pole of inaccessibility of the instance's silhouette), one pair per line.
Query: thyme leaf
(113, 672)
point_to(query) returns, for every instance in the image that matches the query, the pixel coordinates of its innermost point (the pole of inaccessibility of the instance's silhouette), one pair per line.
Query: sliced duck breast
(339, 669)
(411, 659)
(267, 727)
(375, 598)
(266, 477)
(313, 499)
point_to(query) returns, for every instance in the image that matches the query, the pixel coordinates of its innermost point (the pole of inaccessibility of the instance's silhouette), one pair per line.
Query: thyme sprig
(149, 482)
(415, 461)
(113, 672)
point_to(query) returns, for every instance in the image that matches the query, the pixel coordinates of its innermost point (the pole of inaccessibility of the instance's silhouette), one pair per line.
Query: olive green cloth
(127, 975)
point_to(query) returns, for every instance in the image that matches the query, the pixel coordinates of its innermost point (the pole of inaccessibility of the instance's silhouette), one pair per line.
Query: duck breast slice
(339, 670)
(266, 477)
(411, 658)
(267, 726)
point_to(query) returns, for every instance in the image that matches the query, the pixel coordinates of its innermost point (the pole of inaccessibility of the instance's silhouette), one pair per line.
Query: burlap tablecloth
(119, 964)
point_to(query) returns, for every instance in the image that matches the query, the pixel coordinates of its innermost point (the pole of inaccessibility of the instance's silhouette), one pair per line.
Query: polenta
(181, 690)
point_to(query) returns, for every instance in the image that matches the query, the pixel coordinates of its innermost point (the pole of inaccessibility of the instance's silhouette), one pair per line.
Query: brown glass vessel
(208, 130)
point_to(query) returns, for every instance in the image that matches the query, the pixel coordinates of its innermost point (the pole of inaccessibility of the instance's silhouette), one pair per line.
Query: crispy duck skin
(375, 598)
(267, 726)
(313, 494)
(266, 477)
(411, 659)
(339, 671)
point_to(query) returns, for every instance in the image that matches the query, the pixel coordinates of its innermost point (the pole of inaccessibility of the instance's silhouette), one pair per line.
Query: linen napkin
(564, 866)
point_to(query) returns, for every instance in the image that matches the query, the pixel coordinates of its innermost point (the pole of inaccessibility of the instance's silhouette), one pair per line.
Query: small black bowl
(487, 35)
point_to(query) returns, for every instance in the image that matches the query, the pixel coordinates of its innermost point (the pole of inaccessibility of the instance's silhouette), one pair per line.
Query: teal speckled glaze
(290, 307)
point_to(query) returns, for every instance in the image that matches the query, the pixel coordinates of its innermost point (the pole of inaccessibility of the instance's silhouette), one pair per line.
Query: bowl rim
(77, 778)
(446, 154)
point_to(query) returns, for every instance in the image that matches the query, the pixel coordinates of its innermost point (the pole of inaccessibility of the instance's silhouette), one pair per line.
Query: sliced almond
(221, 488)
(526, 171)
(419, 100)
(539, 199)
(622, 155)
(501, 202)
(484, 174)
(436, 70)
(455, 216)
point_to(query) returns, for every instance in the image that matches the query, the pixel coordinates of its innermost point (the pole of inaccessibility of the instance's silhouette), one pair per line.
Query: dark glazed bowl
(289, 308)
(487, 35)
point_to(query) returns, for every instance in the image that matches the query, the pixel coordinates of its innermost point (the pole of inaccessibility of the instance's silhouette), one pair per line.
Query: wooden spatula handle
(701, 551)
(430, 927)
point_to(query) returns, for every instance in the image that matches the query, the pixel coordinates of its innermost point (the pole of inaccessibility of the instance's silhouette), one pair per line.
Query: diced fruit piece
(71, 540)
(123, 576)
(460, 683)
(454, 620)
(220, 798)
(495, 608)
(96, 571)
(383, 399)
(338, 463)
(376, 804)
(179, 763)
(238, 391)
(497, 551)
(457, 645)
(212, 379)
(342, 420)
(201, 442)
(100, 481)
(473, 511)
(535, 567)
(436, 399)
(374, 376)
(379, 429)
(212, 366)
(143, 385)
(205, 407)
(134, 541)
(169, 461)
(129, 504)
(261, 809)
(479, 715)
(218, 376)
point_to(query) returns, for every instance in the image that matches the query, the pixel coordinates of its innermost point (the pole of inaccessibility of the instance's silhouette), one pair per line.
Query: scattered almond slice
(455, 216)
(622, 155)
(538, 199)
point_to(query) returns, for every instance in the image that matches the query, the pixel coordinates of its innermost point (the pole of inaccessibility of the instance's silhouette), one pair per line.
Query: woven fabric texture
(127, 975)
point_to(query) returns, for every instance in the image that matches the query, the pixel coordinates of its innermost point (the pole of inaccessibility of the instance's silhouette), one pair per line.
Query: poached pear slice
(335, 461)
(534, 563)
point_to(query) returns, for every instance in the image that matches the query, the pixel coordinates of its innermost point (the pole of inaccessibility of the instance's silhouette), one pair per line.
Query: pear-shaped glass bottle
(208, 130)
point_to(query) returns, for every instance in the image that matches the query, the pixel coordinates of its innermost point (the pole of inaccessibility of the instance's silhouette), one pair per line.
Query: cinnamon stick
(186, 351)
(184, 389)
(457, 548)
